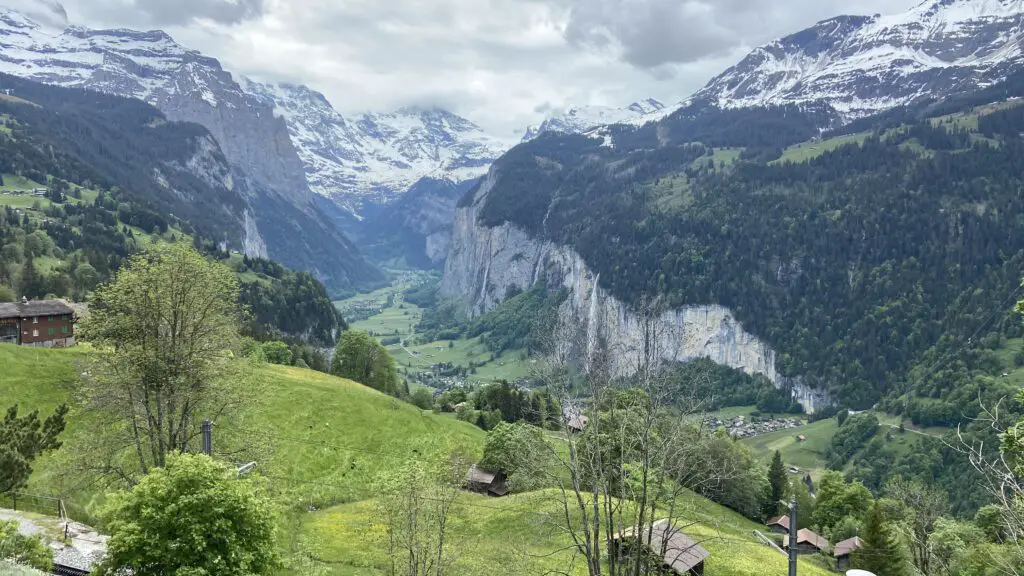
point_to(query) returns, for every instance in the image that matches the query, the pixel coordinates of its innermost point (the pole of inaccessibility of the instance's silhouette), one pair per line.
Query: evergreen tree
(880, 551)
(31, 282)
(777, 482)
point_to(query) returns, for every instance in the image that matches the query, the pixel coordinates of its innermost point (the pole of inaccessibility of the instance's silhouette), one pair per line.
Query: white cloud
(502, 63)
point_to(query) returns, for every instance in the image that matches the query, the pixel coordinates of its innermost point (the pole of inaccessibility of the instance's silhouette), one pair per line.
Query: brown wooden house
(843, 550)
(807, 542)
(778, 525)
(44, 323)
(486, 482)
(664, 539)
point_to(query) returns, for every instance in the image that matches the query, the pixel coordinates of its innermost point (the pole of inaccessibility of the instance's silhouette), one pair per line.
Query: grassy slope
(341, 434)
(808, 456)
(318, 427)
(519, 534)
(332, 437)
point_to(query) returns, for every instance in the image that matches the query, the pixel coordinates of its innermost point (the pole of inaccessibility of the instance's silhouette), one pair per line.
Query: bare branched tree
(630, 463)
(1001, 470)
(416, 505)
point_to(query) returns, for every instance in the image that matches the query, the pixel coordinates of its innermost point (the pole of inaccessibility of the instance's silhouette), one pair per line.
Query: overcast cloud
(501, 63)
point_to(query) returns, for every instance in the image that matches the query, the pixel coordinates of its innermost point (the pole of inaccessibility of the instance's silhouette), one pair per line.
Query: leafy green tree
(880, 552)
(277, 353)
(804, 503)
(360, 357)
(86, 277)
(165, 329)
(520, 451)
(992, 521)
(25, 550)
(422, 398)
(837, 500)
(22, 440)
(193, 517)
(951, 542)
(923, 505)
(777, 483)
(6, 294)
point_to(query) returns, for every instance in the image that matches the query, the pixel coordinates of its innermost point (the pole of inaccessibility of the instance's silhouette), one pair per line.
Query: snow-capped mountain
(377, 157)
(865, 64)
(583, 119)
(190, 87)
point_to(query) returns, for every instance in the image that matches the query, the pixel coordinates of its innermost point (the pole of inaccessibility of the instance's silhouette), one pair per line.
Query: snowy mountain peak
(864, 64)
(375, 157)
(584, 119)
(45, 15)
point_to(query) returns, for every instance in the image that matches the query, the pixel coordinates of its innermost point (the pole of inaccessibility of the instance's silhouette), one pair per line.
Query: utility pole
(792, 538)
(207, 430)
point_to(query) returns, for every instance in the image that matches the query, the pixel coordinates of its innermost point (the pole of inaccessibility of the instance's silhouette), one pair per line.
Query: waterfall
(487, 276)
(592, 318)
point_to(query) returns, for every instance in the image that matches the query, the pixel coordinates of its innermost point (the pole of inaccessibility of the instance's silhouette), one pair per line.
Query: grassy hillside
(521, 534)
(337, 432)
(328, 439)
(310, 426)
(808, 456)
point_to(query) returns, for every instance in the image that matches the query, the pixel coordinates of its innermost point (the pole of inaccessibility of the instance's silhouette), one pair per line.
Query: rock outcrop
(484, 262)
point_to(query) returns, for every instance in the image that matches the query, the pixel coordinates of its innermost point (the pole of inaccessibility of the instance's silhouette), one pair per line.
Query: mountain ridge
(862, 65)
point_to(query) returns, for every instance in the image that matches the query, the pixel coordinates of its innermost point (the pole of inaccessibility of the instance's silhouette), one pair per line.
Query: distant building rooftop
(31, 308)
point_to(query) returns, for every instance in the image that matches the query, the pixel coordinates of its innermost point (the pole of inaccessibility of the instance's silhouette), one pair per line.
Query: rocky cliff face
(484, 262)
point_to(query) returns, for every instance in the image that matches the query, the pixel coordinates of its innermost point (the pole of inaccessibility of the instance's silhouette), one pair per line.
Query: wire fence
(45, 505)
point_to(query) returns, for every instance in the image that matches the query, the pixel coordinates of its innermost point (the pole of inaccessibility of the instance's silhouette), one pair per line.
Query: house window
(49, 331)
(49, 318)
(35, 319)
(64, 329)
(35, 333)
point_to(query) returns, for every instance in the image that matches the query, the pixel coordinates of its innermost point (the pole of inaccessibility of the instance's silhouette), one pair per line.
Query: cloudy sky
(501, 63)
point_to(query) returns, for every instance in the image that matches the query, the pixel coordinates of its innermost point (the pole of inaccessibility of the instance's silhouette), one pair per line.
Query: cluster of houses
(743, 427)
(808, 542)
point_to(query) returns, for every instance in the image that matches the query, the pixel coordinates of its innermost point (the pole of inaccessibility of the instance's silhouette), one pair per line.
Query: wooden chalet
(486, 482)
(807, 542)
(678, 551)
(843, 550)
(43, 323)
(778, 525)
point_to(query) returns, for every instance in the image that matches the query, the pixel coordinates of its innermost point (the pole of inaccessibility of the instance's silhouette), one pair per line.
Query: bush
(277, 353)
(27, 550)
(155, 527)
(422, 398)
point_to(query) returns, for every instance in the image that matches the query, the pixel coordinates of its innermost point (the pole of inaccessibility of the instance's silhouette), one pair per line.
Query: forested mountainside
(174, 168)
(187, 86)
(117, 177)
(852, 257)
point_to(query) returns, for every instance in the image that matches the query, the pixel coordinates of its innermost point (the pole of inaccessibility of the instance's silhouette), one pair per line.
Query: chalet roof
(34, 308)
(578, 422)
(846, 547)
(805, 536)
(779, 521)
(682, 554)
(479, 475)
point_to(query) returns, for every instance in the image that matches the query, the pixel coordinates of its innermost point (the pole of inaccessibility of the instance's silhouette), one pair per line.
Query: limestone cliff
(484, 262)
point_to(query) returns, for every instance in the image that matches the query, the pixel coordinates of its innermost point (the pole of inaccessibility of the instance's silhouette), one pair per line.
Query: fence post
(207, 431)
